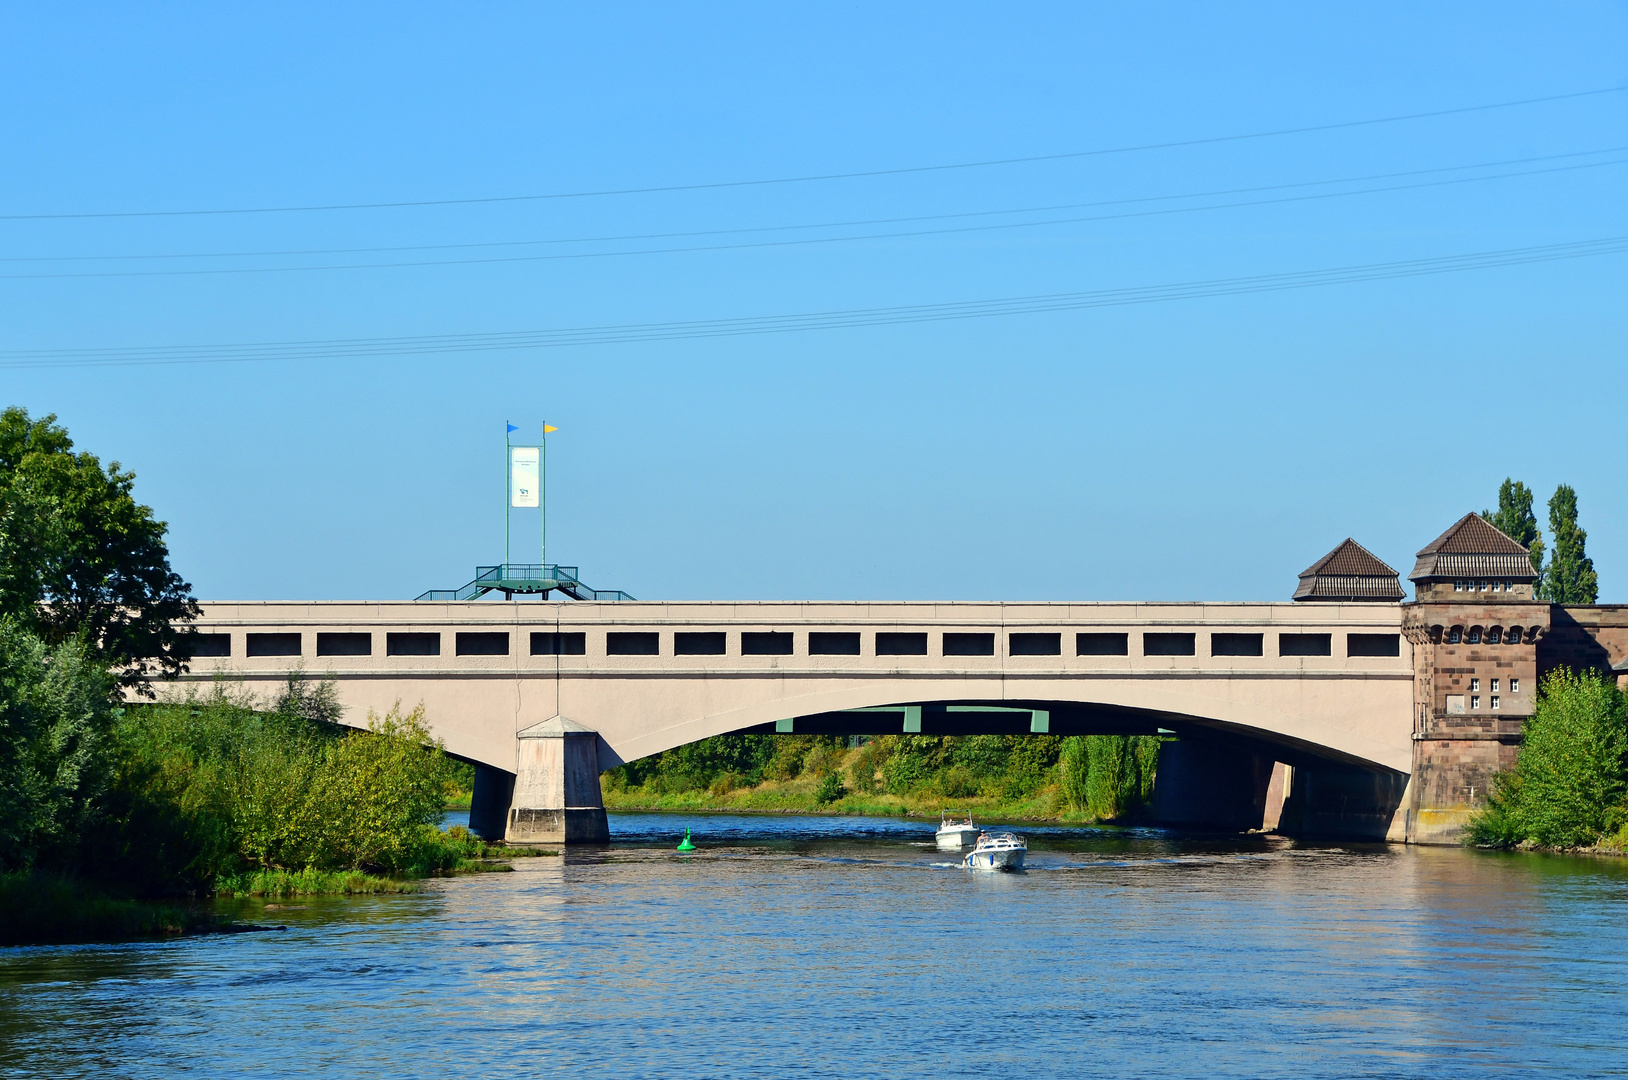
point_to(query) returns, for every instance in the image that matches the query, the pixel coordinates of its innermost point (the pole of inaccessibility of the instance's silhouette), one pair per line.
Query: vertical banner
(524, 476)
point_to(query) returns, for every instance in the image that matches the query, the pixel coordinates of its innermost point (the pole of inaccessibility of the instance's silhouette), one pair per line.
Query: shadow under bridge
(1212, 775)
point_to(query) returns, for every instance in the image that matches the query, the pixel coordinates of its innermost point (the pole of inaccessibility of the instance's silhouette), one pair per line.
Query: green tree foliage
(212, 787)
(80, 558)
(55, 717)
(1570, 577)
(1568, 787)
(1515, 519)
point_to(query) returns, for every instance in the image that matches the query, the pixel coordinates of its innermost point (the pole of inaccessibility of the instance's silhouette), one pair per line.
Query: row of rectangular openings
(779, 643)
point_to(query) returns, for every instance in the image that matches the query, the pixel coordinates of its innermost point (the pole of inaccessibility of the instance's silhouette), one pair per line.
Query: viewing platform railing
(525, 578)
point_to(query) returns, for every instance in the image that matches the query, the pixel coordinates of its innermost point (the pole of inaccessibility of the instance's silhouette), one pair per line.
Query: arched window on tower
(1495, 634)
(1514, 635)
(1455, 635)
(1474, 637)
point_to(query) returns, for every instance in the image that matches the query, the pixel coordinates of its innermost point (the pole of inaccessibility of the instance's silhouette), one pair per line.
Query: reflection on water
(851, 947)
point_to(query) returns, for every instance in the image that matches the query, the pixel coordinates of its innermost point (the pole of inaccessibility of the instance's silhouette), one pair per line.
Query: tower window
(1475, 684)
(1455, 635)
(1494, 634)
(1514, 686)
(1474, 637)
(1514, 635)
(1475, 703)
(1493, 686)
(1495, 701)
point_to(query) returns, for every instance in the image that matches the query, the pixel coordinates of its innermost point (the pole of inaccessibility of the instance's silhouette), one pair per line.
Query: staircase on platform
(525, 578)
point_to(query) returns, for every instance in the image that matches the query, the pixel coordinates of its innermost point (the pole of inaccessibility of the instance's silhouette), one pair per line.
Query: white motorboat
(955, 831)
(997, 851)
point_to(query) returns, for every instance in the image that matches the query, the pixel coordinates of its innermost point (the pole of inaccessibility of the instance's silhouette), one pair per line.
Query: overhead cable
(862, 222)
(820, 177)
(807, 321)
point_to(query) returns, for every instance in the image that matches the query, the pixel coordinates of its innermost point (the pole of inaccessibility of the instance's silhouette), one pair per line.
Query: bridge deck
(486, 670)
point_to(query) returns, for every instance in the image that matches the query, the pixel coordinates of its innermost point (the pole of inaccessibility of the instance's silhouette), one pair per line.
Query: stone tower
(1475, 628)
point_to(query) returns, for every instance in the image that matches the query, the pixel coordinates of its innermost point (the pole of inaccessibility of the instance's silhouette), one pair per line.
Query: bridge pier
(1209, 785)
(556, 796)
(1344, 802)
(489, 806)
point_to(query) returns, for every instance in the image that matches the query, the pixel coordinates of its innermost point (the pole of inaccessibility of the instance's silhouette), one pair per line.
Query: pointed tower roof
(1349, 573)
(1473, 547)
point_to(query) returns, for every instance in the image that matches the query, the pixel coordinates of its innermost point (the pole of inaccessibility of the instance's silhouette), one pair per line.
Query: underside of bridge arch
(1212, 774)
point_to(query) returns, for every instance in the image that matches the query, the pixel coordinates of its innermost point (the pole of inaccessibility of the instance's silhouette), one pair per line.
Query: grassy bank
(1015, 778)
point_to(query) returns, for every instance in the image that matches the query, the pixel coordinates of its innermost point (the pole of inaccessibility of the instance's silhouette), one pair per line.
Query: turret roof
(1349, 572)
(1473, 547)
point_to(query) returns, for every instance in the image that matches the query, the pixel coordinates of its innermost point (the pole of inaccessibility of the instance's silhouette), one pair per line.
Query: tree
(1514, 518)
(80, 558)
(1570, 578)
(55, 715)
(1568, 785)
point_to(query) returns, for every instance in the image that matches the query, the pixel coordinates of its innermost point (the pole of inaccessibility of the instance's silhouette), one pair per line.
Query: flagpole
(542, 492)
(508, 486)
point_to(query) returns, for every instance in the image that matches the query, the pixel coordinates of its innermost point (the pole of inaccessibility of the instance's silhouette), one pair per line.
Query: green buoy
(684, 844)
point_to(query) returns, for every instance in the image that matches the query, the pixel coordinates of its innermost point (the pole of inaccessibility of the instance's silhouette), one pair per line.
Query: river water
(790, 946)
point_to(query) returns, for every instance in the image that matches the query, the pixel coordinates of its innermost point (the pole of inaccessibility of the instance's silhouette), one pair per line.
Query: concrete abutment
(556, 797)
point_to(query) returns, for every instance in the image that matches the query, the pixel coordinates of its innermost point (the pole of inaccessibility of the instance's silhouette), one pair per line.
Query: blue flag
(511, 427)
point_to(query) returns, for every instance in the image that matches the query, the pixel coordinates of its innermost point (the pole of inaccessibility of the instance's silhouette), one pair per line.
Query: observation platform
(513, 579)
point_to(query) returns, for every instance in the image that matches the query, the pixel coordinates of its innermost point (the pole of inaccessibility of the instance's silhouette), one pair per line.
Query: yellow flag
(549, 427)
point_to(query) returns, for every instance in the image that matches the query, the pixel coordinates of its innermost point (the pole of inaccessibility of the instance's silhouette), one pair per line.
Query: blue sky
(1205, 448)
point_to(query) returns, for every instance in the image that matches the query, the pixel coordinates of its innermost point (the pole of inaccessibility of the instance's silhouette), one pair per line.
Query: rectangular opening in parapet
(633, 643)
(483, 643)
(272, 644)
(1235, 644)
(412, 644)
(698, 643)
(1035, 644)
(765, 643)
(833, 643)
(555, 643)
(1102, 644)
(1373, 645)
(202, 645)
(901, 644)
(969, 644)
(1167, 644)
(344, 644)
(1305, 644)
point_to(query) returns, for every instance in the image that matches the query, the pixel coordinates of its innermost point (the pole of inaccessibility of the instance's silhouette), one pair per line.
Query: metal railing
(511, 578)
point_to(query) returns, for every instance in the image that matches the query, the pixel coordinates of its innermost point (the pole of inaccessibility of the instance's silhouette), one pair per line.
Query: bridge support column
(556, 792)
(1207, 785)
(489, 806)
(1343, 802)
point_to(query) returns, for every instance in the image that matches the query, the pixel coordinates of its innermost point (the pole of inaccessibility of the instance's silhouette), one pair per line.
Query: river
(793, 946)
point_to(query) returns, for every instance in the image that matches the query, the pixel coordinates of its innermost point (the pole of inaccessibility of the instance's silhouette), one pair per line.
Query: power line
(853, 223)
(804, 242)
(820, 177)
(807, 321)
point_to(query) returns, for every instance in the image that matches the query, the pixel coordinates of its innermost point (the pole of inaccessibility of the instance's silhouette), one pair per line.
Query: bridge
(1345, 713)
(1304, 708)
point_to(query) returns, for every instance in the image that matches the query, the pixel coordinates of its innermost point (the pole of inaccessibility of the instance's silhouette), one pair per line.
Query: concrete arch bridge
(1293, 714)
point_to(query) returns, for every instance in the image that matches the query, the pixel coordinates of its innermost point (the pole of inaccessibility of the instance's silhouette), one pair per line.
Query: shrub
(1073, 764)
(1567, 787)
(830, 789)
(958, 782)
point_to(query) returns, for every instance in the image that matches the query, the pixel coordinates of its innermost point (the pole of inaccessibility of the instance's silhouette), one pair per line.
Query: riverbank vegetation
(114, 815)
(1568, 788)
(1014, 777)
